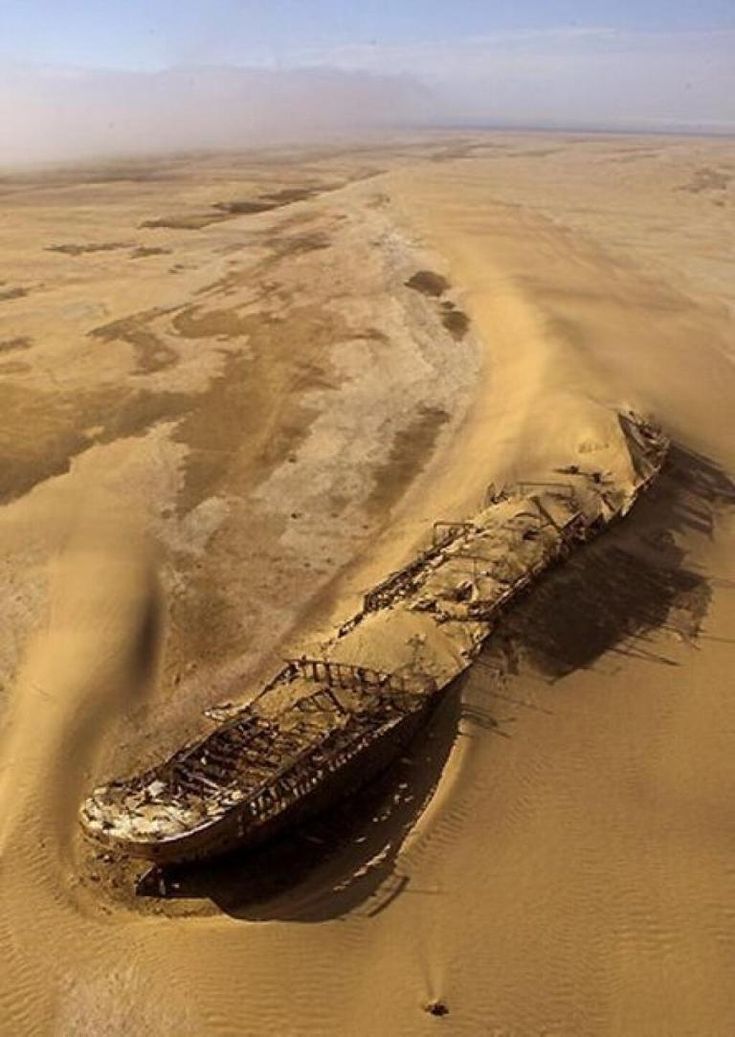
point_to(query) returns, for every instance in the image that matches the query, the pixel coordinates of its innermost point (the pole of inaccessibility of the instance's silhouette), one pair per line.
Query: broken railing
(359, 678)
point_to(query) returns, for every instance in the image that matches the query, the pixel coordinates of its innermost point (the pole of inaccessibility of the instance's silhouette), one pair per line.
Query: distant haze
(568, 77)
(58, 115)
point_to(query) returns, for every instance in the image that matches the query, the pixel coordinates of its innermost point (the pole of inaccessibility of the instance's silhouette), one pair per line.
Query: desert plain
(237, 390)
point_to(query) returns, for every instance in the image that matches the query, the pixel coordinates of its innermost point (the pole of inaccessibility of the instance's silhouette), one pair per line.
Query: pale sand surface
(270, 419)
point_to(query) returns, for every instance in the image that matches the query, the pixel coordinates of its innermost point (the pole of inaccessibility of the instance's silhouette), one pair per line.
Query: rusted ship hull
(324, 726)
(239, 830)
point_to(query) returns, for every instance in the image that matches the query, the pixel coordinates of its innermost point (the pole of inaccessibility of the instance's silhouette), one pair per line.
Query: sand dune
(553, 856)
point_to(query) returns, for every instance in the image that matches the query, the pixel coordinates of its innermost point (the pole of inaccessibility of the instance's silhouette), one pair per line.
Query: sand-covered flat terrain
(228, 407)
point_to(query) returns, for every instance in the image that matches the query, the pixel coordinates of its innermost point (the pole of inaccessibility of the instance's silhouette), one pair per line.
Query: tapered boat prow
(325, 725)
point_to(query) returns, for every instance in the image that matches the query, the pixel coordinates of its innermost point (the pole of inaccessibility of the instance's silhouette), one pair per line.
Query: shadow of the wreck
(331, 864)
(610, 596)
(633, 580)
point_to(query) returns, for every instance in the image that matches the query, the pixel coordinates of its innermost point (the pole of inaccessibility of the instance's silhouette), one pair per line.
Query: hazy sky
(139, 34)
(106, 75)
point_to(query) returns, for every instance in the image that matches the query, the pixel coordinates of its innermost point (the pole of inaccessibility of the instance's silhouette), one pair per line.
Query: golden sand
(205, 432)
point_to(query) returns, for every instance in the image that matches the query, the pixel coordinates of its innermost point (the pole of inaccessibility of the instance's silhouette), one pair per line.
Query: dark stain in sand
(411, 448)
(151, 352)
(184, 221)
(455, 321)
(143, 251)
(534, 153)
(133, 172)
(434, 285)
(79, 250)
(14, 367)
(707, 179)
(245, 208)
(294, 194)
(6, 294)
(194, 322)
(274, 199)
(253, 416)
(297, 244)
(220, 211)
(250, 419)
(428, 283)
(41, 432)
(238, 207)
(11, 345)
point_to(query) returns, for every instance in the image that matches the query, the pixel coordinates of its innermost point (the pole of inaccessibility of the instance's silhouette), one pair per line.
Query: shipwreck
(325, 724)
